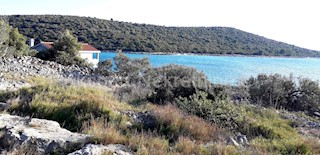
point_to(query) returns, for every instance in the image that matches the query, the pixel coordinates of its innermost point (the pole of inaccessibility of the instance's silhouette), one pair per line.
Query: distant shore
(208, 54)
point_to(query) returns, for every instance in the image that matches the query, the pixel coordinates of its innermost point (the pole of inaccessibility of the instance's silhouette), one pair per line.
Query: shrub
(272, 90)
(104, 68)
(134, 94)
(133, 71)
(281, 92)
(172, 81)
(220, 111)
(306, 96)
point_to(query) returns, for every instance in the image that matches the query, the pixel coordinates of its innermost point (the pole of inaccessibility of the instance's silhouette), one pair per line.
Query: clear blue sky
(292, 21)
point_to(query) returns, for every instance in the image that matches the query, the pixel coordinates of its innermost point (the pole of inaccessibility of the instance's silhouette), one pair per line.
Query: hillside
(105, 34)
(48, 108)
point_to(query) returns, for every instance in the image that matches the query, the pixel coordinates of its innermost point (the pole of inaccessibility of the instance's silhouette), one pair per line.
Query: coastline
(208, 54)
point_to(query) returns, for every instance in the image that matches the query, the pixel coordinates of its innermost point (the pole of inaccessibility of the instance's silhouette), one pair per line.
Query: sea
(234, 69)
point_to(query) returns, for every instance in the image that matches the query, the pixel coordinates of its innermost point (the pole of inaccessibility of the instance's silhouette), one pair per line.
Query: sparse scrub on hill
(188, 118)
(91, 110)
(106, 35)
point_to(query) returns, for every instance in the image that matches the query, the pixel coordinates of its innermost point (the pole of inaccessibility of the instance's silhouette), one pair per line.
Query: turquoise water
(229, 70)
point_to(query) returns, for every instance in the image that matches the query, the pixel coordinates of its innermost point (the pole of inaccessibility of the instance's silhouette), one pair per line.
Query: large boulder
(91, 149)
(39, 135)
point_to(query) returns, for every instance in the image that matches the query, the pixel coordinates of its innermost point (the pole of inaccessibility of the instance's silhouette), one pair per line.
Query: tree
(18, 41)
(68, 44)
(4, 37)
(65, 51)
(12, 43)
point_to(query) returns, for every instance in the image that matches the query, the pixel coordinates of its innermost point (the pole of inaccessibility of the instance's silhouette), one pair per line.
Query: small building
(88, 52)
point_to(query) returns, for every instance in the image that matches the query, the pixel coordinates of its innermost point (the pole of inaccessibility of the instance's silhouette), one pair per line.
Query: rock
(42, 136)
(239, 140)
(316, 114)
(231, 141)
(242, 139)
(145, 118)
(91, 149)
(128, 124)
(3, 106)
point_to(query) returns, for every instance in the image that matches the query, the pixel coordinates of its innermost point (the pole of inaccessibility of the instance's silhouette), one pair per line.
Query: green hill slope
(105, 34)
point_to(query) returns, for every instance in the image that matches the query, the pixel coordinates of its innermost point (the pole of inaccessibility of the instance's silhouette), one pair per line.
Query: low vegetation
(183, 113)
(190, 125)
(236, 108)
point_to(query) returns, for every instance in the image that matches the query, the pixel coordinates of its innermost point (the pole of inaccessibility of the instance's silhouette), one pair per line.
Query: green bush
(173, 81)
(159, 85)
(133, 71)
(220, 111)
(281, 92)
(306, 96)
(272, 90)
(104, 68)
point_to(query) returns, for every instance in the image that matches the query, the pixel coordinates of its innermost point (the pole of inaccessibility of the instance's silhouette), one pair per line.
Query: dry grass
(148, 144)
(103, 132)
(185, 146)
(173, 121)
(108, 133)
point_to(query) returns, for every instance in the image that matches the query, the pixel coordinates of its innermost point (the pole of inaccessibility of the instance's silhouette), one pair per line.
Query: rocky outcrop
(145, 118)
(238, 140)
(6, 84)
(31, 66)
(91, 149)
(300, 121)
(40, 136)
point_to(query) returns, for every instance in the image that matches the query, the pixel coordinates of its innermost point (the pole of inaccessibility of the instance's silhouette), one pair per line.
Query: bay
(231, 69)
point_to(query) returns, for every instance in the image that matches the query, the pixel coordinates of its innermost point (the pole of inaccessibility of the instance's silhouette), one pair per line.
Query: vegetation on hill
(198, 128)
(106, 35)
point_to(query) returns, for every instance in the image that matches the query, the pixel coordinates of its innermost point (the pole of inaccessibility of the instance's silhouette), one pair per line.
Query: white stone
(41, 135)
(91, 149)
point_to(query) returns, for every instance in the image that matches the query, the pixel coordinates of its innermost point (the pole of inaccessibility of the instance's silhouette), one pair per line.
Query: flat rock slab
(39, 135)
(91, 149)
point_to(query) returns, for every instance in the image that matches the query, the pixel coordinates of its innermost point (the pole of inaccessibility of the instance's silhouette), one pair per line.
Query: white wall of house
(88, 55)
